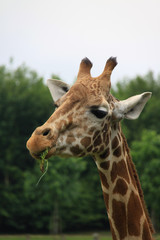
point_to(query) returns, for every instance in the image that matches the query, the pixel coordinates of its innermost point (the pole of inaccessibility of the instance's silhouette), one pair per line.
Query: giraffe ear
(57, 88)
(132, 107)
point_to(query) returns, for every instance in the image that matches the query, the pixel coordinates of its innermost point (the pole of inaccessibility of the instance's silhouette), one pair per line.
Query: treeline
(69, 197)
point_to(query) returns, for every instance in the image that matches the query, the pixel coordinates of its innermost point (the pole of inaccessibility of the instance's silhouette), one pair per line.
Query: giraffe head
(81, 124)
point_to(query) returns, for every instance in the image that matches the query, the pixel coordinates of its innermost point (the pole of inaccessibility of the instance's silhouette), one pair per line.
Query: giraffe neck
(122, 192)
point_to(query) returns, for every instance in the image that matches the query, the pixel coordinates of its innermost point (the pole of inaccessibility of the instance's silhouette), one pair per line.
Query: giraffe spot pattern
(91, 130)
(105, 154)
(105, 128)
(121, 187)
(119, 169)
(115, 142)
(106, 199)
(95, 135)
(86, 141)
(120, 217)
(146, 234)
(97, 141)
(103, 179)
(112, 230)
(105, 165)
(105, 138)
(89, 149)
(134, 215)
(132, 172)
(95, 150)
(76, 150)
(70, 139)
(101, 149)
(117, 152)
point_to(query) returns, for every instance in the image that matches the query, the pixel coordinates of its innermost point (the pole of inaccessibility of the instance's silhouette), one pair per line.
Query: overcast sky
(52, 36)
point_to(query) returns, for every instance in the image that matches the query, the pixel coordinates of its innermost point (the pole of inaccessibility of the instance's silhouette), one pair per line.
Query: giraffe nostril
(46, 132)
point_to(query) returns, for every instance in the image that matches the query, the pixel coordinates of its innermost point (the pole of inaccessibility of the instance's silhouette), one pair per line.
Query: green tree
(24, 104)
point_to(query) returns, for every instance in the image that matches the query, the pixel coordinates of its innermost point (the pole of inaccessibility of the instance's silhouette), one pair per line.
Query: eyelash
(95, 111)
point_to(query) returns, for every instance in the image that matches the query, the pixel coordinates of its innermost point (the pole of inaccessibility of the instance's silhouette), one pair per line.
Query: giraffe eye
(99, 112)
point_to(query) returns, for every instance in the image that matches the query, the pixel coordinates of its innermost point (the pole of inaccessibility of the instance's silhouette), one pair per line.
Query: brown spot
(95, 150)
(89, 149)
(97, 141)
(70, 139)
(105, 165)
(120, 218)
(91, 130)
(146, 233)
(101, 149)
(115, 142)
(105, 128)
(106, 139)
(106, 199)
(76, 150)
(103, 180)
(131, 172)
(114, 172)
(95, 135)
(121, 187)
(79, 134)
(117, 152)
(119, 169)
(85, 128)
(104, 136)
(105, 154)
(86, 141)
(134, 215)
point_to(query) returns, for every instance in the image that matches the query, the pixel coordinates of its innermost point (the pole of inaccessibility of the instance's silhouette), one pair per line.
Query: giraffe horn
(105, 76)
(85, 67)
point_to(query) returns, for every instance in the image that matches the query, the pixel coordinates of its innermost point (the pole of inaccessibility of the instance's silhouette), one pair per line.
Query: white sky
(52, 36)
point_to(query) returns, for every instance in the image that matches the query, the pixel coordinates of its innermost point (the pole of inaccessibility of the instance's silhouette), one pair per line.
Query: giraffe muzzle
(42, 139)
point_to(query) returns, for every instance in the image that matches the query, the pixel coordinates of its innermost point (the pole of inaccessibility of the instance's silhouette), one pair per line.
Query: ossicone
(85, 67)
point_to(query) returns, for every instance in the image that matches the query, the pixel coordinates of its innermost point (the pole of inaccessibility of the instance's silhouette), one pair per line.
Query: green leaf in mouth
(43, 162)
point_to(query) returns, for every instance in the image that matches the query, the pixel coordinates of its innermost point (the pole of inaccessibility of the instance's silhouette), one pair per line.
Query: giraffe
(87, 122)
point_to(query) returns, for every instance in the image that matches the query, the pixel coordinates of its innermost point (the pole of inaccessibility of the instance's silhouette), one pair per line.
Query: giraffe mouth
(38, 155)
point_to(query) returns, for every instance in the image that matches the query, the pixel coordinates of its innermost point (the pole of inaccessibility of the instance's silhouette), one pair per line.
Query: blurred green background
(69, 197)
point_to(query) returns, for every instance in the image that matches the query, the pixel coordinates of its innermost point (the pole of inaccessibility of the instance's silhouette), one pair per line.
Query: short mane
(134, 174)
